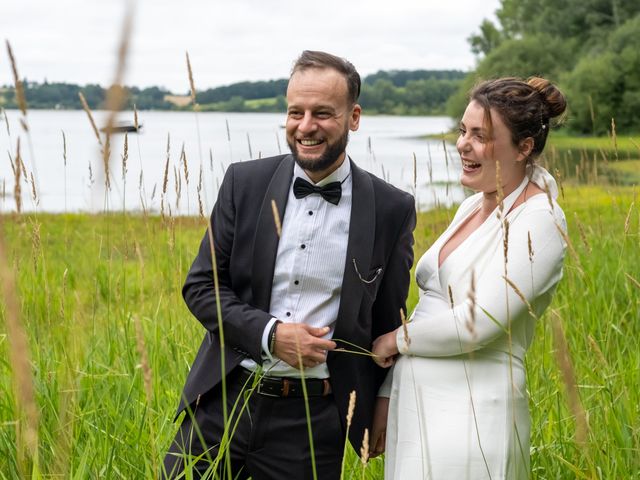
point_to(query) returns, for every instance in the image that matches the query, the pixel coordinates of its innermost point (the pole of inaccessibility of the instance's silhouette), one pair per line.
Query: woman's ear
(525, 148)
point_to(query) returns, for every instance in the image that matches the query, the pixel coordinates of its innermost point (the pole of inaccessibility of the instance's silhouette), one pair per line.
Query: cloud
(76, 41)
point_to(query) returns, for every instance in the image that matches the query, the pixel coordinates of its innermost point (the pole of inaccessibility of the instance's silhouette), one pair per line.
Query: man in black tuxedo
(291, 302)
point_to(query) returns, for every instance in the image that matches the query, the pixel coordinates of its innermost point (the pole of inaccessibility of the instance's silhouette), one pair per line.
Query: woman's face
(480, 149)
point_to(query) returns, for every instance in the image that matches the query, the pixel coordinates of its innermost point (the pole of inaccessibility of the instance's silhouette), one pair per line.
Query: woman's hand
(385, 349)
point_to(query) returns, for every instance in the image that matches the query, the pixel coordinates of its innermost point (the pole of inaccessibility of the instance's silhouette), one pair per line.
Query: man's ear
(525, 148)
(354, 119)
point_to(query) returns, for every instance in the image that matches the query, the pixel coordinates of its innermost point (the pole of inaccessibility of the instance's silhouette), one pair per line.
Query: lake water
(384, 145)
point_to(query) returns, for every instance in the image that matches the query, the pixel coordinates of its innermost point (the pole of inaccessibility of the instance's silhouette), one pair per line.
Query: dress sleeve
(471, 325)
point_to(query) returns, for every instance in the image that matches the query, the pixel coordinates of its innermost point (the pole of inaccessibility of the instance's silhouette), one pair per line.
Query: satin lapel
(265, 243)
(362, 227)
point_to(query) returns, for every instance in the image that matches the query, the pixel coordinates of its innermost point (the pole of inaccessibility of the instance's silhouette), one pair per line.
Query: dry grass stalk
(116, 96)
(558, 175)
(85, 107)
(183, 159)
(64, 293)
(364, 450)
(471, 295)
(165, 178)
(13, 165)
(199, 189)
(505, 241)
(25, 401)
(415, 174)
(451, 304)
(17, 189)
(530, 247)
(518, 292)
(6, 122)
(125, 156)
(499, 190)
(583, 234)
(106, 157)
(25, 176)
(351, 408)
(569, 379)
(276, 217)
(405, 330)
(19, 88)
(91, 180)
(64, 148)
(36, 244)
(572, 250)
(633, 280)
(192, 87)
(627, 220)
(34, 194)
(594, 346)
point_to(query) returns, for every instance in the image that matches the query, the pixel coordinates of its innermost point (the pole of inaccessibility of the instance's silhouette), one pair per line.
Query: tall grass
(106, 410)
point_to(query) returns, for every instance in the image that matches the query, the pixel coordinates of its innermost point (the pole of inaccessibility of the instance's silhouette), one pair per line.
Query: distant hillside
(404, 92)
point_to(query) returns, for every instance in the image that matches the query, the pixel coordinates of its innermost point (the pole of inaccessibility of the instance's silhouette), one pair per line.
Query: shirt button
(296, 282)
(310, 212)
(288, 314)
(303, 246)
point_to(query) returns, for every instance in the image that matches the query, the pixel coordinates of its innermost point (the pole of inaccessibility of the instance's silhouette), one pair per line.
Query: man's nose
(307, 124)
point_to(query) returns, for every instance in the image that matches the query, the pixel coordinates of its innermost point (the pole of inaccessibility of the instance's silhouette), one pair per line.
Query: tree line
(400, 92)
(590, 48)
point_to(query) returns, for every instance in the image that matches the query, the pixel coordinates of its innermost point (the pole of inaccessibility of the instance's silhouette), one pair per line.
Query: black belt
(287, 386)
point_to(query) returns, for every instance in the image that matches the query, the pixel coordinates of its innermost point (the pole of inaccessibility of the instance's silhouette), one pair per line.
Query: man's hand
(292, 338)
(385, 349)
(379, 427)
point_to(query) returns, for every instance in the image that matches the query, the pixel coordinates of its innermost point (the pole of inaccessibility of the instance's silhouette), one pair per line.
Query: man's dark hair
(316, 59)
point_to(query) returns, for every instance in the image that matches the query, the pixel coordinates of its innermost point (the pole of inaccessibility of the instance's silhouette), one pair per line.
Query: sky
(76, 41)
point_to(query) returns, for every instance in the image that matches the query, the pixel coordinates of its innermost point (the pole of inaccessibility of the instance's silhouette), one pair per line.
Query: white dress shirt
(309, 268)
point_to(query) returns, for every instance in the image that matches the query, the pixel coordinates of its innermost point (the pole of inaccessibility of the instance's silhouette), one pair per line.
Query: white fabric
(318, 267)
(458, 404)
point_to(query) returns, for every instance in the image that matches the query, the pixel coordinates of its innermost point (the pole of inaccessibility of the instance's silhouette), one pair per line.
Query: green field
(99, 299)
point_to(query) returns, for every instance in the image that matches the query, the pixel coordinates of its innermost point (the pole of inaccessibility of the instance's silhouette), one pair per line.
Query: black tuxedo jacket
(246, 242)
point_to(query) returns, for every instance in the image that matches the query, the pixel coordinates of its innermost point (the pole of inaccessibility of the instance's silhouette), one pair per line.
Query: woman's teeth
(470, 165)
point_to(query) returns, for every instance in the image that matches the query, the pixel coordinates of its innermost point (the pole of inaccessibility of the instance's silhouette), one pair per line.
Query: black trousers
(269, 437)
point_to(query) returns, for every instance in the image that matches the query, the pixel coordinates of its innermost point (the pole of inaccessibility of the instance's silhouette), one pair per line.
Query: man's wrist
(272, 337)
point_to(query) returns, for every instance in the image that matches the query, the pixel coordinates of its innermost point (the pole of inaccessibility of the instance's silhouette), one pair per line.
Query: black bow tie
(331, 192)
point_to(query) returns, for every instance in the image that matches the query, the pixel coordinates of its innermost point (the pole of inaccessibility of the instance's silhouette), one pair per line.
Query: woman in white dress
(458, 401)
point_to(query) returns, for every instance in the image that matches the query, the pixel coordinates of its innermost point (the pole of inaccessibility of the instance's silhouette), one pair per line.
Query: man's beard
(328, 158)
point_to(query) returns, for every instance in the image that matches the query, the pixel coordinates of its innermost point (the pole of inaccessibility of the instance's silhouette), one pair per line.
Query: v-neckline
(507, 204)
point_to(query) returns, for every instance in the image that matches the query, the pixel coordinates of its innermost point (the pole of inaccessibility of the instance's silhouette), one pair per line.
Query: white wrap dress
(458, 400)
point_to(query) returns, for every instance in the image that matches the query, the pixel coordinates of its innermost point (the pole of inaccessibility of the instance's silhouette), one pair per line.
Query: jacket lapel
(362, 226)
(265, 243)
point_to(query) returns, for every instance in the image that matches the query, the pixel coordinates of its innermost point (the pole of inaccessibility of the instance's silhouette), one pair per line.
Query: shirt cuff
(401, 341)
(266, 354)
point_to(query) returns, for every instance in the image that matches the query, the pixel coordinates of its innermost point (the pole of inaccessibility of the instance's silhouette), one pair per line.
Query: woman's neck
(490, 199)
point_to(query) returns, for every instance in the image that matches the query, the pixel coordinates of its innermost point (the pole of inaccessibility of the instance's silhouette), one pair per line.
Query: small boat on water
(122, 127)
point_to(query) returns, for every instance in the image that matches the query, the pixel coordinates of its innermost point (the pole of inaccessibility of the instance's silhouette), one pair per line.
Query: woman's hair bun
(553, 97)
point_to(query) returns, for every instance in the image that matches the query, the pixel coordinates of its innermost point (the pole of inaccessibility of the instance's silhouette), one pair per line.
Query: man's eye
(323, 115)
(462, 131)
(295, 114)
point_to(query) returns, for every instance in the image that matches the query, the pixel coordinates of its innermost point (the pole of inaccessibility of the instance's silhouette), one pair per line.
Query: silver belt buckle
(266, 394)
